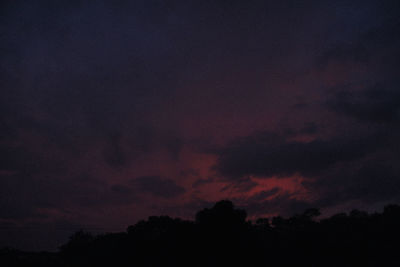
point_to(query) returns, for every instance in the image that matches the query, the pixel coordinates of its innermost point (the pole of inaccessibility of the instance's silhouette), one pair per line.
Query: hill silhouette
(221, 236)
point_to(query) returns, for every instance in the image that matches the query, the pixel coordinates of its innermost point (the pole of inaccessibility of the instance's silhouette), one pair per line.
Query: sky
(112, 111)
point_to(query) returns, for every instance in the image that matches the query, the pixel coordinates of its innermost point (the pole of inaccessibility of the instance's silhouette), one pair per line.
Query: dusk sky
(112, 111)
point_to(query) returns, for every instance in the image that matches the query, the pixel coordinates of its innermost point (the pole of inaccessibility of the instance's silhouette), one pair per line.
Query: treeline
(221, 236)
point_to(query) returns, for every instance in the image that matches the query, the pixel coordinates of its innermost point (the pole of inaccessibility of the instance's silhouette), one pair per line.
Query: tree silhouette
(222, 215)
(221, 236)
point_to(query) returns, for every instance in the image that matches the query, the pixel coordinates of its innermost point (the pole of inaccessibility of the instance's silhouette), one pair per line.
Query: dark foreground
(221, 236)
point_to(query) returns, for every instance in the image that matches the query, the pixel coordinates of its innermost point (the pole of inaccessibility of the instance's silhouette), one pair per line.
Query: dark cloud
(368, 181)
(370, 44)
(380, 103)
(158, 186)
(267, 155)
(189, 172)
(200, 182)
(23, 196)
(244, 184)
(348, 52)
(356, 165)
(263, 195)
(309, 128)
(114, 153)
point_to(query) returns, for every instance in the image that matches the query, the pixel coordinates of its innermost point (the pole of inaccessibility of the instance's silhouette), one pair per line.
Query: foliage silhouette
(221, 236)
